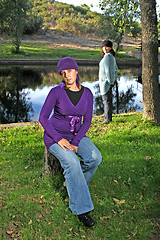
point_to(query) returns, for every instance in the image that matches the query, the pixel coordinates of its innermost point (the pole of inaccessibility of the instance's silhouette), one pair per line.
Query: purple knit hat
(66, 63)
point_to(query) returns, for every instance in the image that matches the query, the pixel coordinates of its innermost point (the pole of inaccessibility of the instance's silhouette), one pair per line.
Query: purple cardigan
(68, 121)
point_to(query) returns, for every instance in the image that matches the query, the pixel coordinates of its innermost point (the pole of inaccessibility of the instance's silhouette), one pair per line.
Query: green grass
(125, 188)
(46, 51)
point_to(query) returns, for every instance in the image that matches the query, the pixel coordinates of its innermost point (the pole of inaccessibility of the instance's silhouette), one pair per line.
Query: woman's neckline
(74, 90)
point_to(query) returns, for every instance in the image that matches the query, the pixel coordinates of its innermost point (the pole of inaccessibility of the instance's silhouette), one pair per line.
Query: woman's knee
(87, 150)
(97, 157)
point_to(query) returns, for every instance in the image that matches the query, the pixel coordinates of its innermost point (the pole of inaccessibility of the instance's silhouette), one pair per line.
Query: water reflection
(127, 96)
(14, 104)
(23, 90)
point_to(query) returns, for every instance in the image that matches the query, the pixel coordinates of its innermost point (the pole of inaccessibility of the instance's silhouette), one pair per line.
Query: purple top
(66, 121)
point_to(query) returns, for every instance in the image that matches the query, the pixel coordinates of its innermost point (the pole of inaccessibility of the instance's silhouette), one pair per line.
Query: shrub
(70, 25)
(33, 24)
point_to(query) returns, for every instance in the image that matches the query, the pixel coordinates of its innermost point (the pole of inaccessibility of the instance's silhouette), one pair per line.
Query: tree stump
(51, 164)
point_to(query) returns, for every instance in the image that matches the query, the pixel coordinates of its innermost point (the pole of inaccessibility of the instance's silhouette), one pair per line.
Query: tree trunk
(151, 93)
(120, 37)
(51, 164)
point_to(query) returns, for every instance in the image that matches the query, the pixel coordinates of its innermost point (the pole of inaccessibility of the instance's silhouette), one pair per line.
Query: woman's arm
(45, 113)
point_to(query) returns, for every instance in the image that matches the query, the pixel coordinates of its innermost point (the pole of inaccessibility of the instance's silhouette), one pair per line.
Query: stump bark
(51, 164)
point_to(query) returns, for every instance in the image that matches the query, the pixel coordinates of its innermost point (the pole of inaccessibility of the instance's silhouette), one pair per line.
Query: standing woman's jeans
(107, 102)
(78, 173)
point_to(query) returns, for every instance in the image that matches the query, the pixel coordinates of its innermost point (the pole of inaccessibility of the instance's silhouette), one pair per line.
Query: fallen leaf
(115, 199)
(10, 232)
(76, 234)
(16, 223)
(141, 197)
(122, 201)
(115, 181)
(105, 217)
(30, 222)
(147, 158)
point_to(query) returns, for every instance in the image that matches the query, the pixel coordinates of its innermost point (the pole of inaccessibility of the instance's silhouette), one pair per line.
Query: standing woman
(65, 138)
(107, 76)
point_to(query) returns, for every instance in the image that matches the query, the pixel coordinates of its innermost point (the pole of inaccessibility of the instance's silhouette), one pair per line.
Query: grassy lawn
(125, 188)
(46, 51)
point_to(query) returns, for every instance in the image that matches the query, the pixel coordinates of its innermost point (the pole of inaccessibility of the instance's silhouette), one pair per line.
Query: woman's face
(106, 49)
(69, 76)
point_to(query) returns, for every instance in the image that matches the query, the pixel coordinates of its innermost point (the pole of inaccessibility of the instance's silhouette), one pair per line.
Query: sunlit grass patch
(44, 50)
(125, 188)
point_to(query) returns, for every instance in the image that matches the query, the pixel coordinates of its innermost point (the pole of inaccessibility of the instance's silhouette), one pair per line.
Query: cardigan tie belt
(73, 122)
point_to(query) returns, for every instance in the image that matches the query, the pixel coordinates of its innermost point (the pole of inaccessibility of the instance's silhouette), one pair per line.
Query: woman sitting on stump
(65, 137)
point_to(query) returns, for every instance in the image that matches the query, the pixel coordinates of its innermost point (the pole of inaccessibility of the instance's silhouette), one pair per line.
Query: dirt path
(70, 41)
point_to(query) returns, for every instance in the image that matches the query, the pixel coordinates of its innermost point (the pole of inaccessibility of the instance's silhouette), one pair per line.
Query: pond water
(23, 90)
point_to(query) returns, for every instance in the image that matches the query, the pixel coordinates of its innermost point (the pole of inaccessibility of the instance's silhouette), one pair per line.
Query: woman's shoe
(104, 122)
(86, 220)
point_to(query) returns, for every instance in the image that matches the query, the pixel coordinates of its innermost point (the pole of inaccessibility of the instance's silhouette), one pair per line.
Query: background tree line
(29, 16)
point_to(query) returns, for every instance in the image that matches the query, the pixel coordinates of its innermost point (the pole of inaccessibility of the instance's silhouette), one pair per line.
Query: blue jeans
(78, 173)
(107, 102)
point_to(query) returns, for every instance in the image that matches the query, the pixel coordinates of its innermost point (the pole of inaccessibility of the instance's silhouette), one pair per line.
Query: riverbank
(132, 63)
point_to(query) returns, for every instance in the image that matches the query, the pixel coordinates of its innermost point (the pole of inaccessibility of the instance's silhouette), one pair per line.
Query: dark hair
(107, 43)
(112, 52)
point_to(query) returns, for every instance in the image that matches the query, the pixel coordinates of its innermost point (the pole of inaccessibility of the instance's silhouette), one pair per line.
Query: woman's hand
(75, 148)
(65, 144)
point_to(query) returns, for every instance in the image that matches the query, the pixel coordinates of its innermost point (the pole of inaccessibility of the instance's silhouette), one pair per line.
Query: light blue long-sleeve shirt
(107, 72)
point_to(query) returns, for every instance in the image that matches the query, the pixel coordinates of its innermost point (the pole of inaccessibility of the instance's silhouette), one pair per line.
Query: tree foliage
(13, 14)
(68, 18)
(123, 14)
(79, 20)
